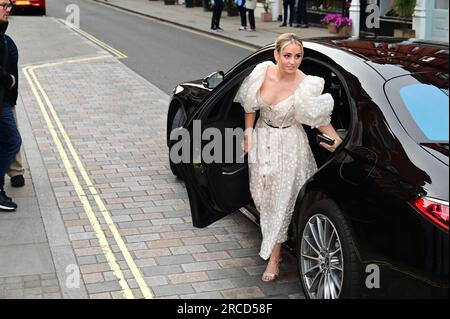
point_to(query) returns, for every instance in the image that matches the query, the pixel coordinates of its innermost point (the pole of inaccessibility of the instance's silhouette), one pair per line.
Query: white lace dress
(280, 159)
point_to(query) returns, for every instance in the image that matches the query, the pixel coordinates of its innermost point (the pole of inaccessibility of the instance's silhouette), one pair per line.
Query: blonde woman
(280, 159)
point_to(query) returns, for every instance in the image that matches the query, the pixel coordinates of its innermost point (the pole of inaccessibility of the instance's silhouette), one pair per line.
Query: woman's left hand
(333, 147)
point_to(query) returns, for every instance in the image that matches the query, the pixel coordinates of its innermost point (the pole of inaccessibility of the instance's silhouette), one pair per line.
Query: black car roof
(393, 57)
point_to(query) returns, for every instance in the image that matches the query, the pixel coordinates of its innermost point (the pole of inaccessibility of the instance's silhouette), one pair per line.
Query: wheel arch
(312, 195)
(309, 194)
(175, 104)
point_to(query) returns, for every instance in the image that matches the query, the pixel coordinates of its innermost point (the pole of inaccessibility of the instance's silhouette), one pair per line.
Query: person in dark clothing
(10, 140)
(346, 8)
(250, 6)
(217, 6)
(288, 5)
(302, 15)
(242, 13)
(16, 170)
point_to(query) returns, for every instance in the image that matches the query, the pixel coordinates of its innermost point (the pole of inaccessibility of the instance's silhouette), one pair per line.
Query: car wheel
(327, 261)
(39, 11)
(177, 121)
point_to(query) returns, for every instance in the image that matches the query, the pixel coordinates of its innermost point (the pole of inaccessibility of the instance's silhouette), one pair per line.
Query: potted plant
(266, 16)
(329, 21)
(405, 10)
(344, 26)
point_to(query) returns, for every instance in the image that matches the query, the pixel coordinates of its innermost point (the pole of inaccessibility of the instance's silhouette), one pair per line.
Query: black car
(374, 219)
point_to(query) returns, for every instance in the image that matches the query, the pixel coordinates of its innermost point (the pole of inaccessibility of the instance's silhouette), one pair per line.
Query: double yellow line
(116, 53)
(55, 126)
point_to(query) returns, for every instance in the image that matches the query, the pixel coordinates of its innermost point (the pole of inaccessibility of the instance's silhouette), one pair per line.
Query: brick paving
(116, 122)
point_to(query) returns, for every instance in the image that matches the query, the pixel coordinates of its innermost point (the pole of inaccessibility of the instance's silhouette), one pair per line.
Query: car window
(428, 106)
(333, 85)
(422, 108)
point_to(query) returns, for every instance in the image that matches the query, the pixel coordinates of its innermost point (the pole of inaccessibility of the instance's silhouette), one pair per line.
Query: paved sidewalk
(117, 130)
(34, 247)
(199, 20)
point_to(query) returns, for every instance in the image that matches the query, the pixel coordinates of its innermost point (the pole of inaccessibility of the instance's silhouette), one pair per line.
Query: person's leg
(251, 19)
(304, 14)
(291, 12)
(299, 14)
(219, 14)
(273, 266)
(285, 12)
(242, 13)
(214, 17)
(10, 142)
(16, 169)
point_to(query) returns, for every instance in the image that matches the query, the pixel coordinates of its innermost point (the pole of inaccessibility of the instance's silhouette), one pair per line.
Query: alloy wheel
(321, 259)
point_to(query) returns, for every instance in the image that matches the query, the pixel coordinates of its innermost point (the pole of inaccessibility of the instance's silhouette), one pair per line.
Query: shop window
(317, 9)
(441, 4)
(326, 6)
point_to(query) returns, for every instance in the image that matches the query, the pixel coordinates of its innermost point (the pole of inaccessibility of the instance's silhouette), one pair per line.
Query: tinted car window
(422, 108)
(428, 106)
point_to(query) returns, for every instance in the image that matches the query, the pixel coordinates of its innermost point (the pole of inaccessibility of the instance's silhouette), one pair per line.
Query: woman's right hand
(246, 144)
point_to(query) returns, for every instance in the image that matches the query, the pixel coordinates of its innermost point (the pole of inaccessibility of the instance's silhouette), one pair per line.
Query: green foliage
(266, 6)
(230, 4)
(405, 8)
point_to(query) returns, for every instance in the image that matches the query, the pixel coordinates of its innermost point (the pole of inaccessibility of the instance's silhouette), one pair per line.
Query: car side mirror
(213, 80)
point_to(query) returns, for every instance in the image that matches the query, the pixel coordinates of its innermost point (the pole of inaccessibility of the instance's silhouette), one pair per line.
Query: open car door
(218, 180)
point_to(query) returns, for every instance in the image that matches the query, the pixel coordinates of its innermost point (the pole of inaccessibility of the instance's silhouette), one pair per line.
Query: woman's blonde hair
(286, 39)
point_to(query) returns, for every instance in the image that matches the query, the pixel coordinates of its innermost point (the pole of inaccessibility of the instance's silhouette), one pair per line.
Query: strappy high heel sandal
(271, 276)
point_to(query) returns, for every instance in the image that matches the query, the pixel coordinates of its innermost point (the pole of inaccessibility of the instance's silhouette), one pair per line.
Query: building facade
(430, 19)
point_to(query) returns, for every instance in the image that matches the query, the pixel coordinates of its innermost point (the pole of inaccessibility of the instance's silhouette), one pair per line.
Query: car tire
(177, 121)
(337, 253)
(39, 11)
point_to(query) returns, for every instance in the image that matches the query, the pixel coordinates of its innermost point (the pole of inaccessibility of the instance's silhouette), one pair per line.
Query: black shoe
(7, 198)
(304, 26)
(6, 203)
(17, 181)
(283, 25)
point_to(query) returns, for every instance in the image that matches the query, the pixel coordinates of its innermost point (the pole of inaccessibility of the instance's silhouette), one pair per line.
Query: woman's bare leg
(272, 268)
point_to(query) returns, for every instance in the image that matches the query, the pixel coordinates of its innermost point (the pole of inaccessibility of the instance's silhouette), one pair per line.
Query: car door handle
(233, 172)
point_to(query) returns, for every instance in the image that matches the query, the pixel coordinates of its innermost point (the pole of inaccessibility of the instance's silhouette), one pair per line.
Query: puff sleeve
(249, 88)
(311, 106)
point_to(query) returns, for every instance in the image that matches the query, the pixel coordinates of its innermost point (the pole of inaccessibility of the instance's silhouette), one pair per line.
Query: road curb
(256, 47)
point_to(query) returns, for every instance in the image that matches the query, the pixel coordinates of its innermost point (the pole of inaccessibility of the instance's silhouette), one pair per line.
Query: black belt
(276, 126)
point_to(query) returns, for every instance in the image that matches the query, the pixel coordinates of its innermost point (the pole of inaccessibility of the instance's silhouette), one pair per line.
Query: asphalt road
(163, 55)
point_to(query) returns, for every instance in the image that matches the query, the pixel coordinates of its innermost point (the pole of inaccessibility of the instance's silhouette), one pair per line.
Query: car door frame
(193, 172)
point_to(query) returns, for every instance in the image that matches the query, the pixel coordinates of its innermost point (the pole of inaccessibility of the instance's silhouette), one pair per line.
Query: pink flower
(329, 18)
(343, 21)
